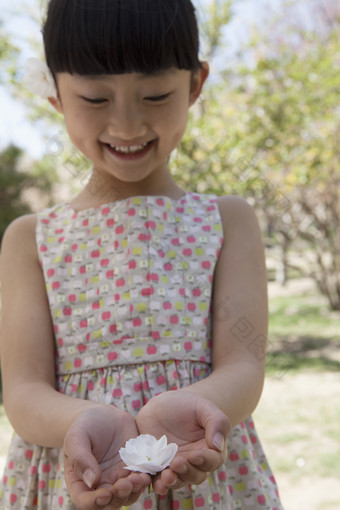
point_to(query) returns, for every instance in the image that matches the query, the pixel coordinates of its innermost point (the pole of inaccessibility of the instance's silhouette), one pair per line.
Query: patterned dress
(129, 287)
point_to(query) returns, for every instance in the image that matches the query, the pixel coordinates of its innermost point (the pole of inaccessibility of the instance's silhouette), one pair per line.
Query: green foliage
(8, 52)
(12, 183)
(269, 132)
(293, 124)
(218, 15)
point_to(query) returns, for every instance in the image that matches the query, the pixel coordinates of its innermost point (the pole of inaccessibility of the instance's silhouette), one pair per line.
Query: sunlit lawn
(303, 334)
(304, 315)
(299, 414)
(298, 423)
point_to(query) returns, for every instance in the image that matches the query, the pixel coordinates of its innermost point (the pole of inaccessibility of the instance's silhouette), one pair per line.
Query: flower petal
(167, 454)
(162, 442)
(38, 79)
(144, 468)
(147, 455)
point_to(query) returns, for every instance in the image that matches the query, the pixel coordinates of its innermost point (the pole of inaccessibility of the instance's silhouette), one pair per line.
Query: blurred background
(266, 128)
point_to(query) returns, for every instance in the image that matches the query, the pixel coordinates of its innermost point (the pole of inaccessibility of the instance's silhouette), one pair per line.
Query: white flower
(147, 455)
(38, 79)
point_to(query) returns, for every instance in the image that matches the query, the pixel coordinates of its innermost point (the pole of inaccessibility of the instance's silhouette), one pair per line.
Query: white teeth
(129, 149)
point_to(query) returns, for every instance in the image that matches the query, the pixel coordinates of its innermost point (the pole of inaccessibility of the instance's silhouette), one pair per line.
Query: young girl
(137, 308)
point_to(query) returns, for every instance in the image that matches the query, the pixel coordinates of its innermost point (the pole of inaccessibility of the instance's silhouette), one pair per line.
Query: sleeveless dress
(129, 287)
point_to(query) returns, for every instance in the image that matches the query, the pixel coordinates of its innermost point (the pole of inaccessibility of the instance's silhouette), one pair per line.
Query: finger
(139, 481)
(207, 460)
(187, 473)
(123, 492)
(127, 491)
(158, 485)
(78, 455)
(215, 423)
(81, 495)
(123, 495)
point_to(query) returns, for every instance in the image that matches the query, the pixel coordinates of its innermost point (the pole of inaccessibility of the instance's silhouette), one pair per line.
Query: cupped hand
(94, 472)
(199, 428)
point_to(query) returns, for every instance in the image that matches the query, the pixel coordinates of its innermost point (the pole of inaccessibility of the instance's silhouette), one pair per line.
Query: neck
(102, 189)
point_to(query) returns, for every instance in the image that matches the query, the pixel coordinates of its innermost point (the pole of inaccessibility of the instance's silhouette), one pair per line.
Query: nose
(127, 122)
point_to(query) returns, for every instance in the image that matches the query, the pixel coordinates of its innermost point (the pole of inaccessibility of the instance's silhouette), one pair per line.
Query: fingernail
(89, 477)
(172, 484)
(219, 441)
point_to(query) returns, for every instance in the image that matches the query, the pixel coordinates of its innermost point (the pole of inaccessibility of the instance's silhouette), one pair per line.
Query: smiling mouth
(130, 152)
(129, 149)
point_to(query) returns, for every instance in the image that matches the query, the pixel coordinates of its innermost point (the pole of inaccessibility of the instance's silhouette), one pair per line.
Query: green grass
(298, 422)
(299, 414)
(303, 334)
(303, 316)
(279, 363)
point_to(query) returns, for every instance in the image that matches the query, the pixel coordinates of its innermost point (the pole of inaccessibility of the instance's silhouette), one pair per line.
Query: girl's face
(128, 124)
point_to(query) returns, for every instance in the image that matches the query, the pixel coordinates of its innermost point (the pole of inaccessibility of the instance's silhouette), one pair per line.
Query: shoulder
(19, 237)
(232, 202)
(20, 229)
(237, 215)
(242, 250)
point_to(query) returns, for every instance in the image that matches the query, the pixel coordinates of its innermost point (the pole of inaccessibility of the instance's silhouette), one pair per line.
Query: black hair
(95, 37)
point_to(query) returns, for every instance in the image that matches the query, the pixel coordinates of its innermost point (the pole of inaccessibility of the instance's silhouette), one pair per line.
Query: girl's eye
(94, 101)
(158, 99)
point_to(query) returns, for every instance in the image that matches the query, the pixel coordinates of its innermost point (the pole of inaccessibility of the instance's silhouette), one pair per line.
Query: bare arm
(27, 348)
(90, 433)
(240, 315)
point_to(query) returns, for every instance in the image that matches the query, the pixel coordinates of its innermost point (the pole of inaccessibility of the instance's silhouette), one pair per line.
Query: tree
(8, 52)
(12, 183)
(16, 181)
(293, 122)
(270, 133)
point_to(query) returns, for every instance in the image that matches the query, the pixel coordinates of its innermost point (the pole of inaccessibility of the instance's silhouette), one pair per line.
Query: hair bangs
(95, 37)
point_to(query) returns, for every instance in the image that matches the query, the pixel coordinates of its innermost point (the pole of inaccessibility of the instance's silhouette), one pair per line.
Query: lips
(129, 152)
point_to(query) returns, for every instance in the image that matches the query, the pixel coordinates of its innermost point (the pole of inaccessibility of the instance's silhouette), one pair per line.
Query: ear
(197, 81)
(56, 103)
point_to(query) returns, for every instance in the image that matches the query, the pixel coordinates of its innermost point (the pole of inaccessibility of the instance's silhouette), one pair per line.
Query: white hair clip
(38, 79)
